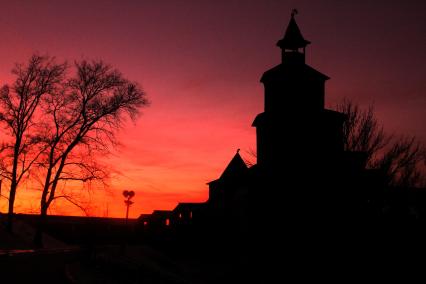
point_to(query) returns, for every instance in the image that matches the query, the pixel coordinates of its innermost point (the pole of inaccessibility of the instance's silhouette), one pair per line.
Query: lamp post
(129, 195)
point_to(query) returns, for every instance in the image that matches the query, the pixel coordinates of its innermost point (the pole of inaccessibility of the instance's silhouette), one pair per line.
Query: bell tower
(293, 44)
(294, 125)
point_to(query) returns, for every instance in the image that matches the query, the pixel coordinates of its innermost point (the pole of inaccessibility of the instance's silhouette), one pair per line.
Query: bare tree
(82, 122)
(402, 159)
(403, 163)
(251, 157)
(18, 104)
(362, 131)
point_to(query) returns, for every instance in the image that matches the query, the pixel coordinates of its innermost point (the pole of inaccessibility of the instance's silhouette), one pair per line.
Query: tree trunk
(38, 238)
(13, 186)
(12, 195)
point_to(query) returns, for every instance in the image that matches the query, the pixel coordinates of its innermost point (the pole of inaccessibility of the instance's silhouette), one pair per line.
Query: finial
(238, 150)
(294, 12)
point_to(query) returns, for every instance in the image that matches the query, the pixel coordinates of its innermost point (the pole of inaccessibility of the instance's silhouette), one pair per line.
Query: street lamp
(129, 195)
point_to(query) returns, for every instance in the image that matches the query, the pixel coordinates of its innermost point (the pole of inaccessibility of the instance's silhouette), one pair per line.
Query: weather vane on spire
(294, 12)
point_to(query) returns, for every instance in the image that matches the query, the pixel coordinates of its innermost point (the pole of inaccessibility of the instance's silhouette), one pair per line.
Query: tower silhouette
(295, 126)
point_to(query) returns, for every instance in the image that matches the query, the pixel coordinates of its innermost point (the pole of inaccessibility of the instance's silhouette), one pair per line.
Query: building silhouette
(301, 163)
(306, 196)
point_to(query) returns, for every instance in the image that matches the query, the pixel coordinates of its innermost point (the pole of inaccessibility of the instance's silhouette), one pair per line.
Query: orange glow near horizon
(160, 177)
(200, 65)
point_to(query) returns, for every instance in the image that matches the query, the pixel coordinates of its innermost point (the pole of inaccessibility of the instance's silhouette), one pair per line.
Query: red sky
(200, 63)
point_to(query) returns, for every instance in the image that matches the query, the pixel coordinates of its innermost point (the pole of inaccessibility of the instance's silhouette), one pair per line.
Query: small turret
(293, 44)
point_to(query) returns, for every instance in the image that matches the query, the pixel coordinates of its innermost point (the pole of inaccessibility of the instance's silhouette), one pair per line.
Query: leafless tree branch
(400, 158)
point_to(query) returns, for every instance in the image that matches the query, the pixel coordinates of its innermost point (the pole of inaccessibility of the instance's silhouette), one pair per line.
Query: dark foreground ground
(394, 253)
(137, 264)
(58, 262)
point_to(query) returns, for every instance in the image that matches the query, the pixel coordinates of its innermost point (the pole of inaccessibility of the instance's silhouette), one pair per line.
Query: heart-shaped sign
(128, 194)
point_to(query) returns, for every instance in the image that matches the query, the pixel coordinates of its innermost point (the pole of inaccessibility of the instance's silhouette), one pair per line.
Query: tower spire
(293, 43)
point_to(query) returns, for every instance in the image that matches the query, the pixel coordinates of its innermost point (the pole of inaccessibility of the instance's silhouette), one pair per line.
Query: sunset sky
(200, 63)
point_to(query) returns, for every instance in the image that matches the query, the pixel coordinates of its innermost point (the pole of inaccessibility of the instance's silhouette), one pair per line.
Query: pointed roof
(235, 167)
(293, 38)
